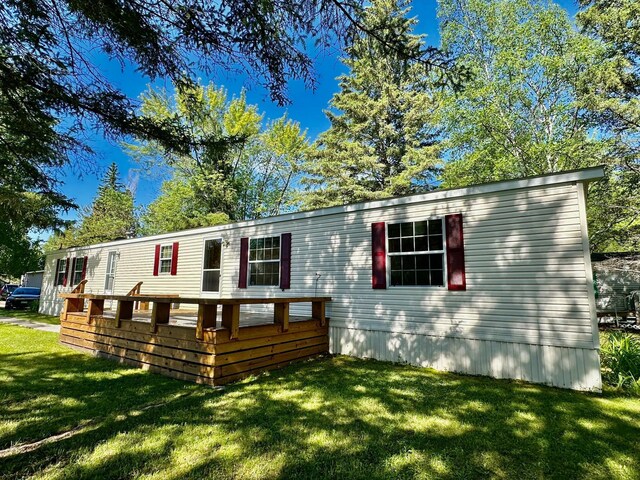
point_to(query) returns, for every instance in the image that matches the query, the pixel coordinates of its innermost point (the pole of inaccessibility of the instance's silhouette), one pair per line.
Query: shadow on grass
(332, 418)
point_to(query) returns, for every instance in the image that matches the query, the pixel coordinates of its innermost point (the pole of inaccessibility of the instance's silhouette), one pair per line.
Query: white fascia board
(582, 175)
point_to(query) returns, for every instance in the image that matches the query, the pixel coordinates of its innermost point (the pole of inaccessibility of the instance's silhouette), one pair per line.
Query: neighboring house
(616, 276)
(493, 279)
(32, 279)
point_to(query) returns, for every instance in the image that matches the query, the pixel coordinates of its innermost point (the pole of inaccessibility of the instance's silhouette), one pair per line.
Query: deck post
(159, 315)
(318, 312)
(281, 315)
(96, 307)
(124, 311)
(231, 319)
(206, 319)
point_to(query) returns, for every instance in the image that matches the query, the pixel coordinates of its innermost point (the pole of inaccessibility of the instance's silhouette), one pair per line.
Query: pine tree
(110, 180)
(111, 215)
(382, 140)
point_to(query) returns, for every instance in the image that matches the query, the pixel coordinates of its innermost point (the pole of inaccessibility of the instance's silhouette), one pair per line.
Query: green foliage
(611, 95)
(614, 211)
(238, 169)
(620, 358)
(382, 140)
(177, 208)
(34, 306)
(539, 103)
(22, 213)
(520, 115)
(111, 216)
(64, 238)
(52, 90)
(19, 254)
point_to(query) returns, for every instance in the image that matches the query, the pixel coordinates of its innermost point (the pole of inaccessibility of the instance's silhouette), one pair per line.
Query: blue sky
(306, 107)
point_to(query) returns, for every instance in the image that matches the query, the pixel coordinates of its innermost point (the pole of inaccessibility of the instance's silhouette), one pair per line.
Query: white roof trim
(582, 175)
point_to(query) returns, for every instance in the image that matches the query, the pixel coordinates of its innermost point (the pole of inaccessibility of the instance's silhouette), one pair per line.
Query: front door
(110, 276)
(211, 266)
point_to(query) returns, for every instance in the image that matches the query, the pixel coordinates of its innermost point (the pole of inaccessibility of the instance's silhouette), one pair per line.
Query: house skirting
(564, 367)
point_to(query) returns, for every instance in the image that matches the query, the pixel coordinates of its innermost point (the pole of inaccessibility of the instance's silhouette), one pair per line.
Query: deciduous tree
(544, 98)
(611, 95)
(519, 115)
(239, 170)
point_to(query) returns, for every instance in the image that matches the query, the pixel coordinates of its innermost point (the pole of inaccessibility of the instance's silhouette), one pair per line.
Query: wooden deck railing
(207, 309)
(203, 354)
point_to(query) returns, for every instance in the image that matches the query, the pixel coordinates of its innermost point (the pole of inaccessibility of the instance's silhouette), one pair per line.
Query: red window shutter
(285, 261)
(55, 278)
(379, 256)
(84, 267)
(156, 261)
(244, 262)
(66, 274)
(174, 258)
(456, 277)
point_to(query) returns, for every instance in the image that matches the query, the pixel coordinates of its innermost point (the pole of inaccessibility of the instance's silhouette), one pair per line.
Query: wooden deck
(206, 346)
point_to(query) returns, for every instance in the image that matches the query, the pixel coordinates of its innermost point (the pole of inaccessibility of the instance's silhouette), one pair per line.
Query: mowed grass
(330, 418)
(30, 316)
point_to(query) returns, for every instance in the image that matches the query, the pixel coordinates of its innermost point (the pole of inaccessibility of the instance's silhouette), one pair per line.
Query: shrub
(620, 358)
(34, 306)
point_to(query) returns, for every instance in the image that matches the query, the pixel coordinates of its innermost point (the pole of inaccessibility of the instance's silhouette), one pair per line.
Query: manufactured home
(493, 279)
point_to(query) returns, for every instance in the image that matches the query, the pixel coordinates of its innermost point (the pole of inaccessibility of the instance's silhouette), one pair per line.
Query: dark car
(7, 290)
(22, 297)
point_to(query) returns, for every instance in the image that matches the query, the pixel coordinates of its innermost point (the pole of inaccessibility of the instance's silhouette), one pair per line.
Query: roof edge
(573, 176)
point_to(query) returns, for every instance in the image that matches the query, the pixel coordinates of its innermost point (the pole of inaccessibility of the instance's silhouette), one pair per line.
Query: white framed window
(110, 276)
(61, 267)
(166, 256)
(78, 267)
(416, 253)
(211, 265)
(264, 261)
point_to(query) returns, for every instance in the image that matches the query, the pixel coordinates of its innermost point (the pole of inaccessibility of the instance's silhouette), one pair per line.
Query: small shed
(32, 279)
(616, 276)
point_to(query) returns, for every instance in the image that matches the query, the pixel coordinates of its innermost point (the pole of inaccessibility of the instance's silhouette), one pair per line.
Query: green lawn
(32, 316)
(332, 418)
